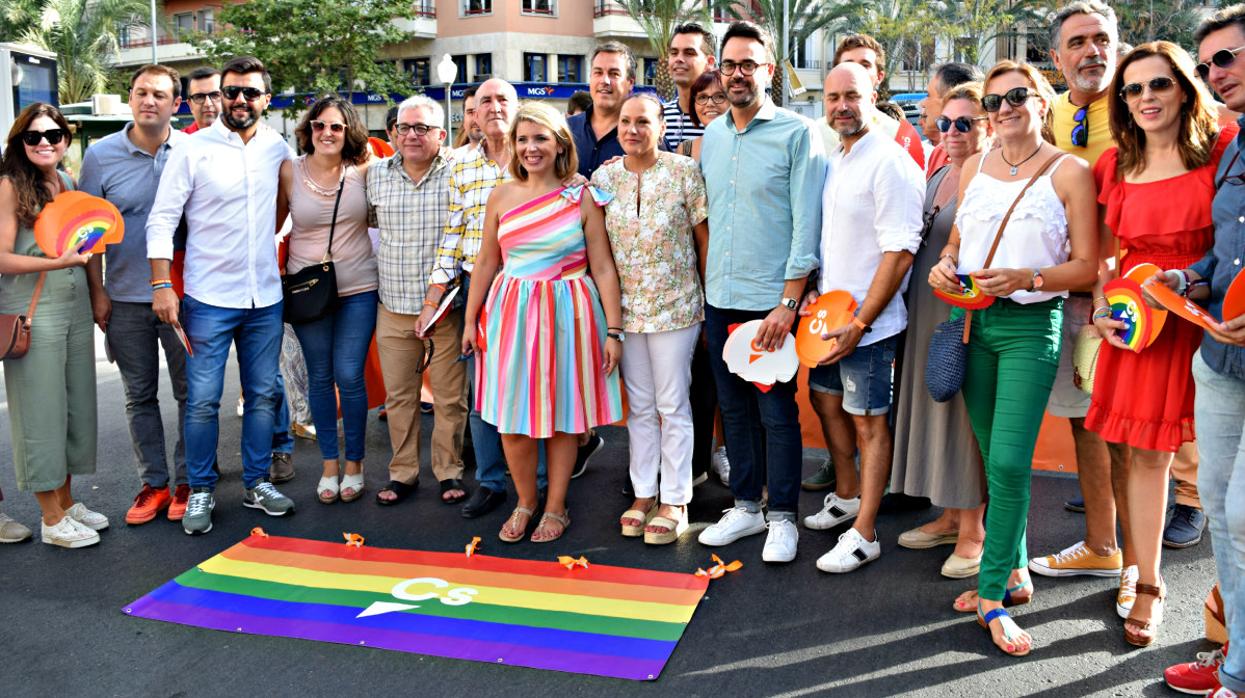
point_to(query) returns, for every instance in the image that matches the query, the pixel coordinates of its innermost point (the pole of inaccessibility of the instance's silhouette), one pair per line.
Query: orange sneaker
(177, 508)
(149, 502)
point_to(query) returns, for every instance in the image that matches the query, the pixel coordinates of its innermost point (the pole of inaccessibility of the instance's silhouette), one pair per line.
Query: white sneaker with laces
(851, 552)
(91, 519)
(69, 534)
(836, 511)
(721, 466)
(736, 523)
(781, 542)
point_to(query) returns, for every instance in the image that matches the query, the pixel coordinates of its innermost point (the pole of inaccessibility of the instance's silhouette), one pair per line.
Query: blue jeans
(762, 429)
(485, 441)
(863, 378)
(1219, 410)
(335, 349)
(282, 439)
(256, 333)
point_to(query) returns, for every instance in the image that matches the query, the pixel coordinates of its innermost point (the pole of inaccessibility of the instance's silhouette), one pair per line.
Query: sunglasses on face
(1133, 90)
(201, 97)
(704, 100)
(53, 136)
(335, 127)
(744, 67)
(251, 93)
(1080, 127)
(963, 124)
(418, 129)
(1222, 58)
(1017, 96)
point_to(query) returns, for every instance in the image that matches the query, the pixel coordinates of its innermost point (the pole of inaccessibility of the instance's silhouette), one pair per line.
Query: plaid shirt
(472, 179)
(411, 216)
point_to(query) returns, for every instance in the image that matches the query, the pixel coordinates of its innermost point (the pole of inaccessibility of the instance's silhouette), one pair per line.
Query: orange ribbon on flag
(719, 569)
(353, 540)
(473, 545)
(571, 563)
(257, 531)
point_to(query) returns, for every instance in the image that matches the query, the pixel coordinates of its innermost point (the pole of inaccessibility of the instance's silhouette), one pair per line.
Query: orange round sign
(832, 310)
(77, 220)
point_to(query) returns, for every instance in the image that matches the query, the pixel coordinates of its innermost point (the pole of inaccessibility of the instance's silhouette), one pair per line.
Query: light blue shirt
(115, 169)
(764, 185)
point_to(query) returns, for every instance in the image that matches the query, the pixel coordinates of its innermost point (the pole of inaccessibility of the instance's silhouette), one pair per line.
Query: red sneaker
(149, 502)
(1197, 678)
(177, 508)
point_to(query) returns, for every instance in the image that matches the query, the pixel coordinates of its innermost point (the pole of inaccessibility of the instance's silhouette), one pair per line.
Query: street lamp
(447, 70)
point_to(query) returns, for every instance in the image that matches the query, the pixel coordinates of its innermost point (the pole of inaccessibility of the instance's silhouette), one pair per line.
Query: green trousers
(1013, 354)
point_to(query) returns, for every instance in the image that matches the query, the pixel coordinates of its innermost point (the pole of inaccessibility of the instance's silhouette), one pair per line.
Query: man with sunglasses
(125, 169)
(224, 182)
(203, 93)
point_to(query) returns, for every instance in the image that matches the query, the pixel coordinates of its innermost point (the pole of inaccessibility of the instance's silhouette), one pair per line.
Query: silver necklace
(1017, 165)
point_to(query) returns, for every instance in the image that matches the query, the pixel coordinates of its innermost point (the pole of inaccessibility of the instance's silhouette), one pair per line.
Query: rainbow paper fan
(79, 221)
(1129, 307)
(970, 297)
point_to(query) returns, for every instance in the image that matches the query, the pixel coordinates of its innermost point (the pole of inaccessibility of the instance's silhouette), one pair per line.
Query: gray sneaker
(198, 517)
(282, 469)
(12, 531)
(266, 497)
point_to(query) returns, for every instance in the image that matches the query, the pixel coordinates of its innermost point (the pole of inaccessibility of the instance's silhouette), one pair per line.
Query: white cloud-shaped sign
(752, 363)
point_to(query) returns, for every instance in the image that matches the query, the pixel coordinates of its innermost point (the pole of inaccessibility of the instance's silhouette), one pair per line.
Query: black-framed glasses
(1133, 90)
(1080, 127)
(419, 129)
(53, 136)
(201, 97)
(251, 93)
(334, 126)
(1223, 58)
(1017, 96)
(705, 100)
(744, 67)
(963, 124)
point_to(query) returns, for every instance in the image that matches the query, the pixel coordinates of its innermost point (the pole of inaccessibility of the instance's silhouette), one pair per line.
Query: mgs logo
(441, 591)
(539, 91)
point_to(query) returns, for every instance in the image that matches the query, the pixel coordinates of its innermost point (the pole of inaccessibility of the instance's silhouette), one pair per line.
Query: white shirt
(227, 190)
(871, 205)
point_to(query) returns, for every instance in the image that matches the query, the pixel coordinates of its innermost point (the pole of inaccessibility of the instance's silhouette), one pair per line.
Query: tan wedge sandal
(641, 515)
(669, 528)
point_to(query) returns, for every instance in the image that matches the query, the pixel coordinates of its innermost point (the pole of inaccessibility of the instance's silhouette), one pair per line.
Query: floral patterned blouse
(650, 224)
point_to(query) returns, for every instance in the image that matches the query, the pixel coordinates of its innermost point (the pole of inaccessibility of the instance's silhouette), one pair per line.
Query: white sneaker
(836, 511)
(736, 523)
(781, 542)
(69, 534)
(851, 552)
(91, 519)
(12, 531)
(721, 466)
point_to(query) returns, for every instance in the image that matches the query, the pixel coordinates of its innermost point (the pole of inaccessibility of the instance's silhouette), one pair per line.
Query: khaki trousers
(401, 354)
(1184, 472)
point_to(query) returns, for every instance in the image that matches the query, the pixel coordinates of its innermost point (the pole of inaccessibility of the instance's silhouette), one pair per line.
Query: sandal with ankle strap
(1151, 625)
(1010, 630)
(1011, 597)
(514, 516)
(564, 519)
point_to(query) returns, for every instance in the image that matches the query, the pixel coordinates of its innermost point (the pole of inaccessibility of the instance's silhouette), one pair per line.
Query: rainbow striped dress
(543, 329)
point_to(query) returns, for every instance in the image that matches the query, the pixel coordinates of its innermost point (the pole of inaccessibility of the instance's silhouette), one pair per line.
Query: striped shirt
(470, 182)
(411, 216)
(679, 126)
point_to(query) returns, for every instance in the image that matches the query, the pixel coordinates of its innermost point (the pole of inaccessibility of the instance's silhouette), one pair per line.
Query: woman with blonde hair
(1039, 204)
(549, 348)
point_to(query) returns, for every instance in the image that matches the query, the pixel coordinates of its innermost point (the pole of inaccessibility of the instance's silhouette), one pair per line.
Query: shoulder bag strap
(341, 184)
(34, 298)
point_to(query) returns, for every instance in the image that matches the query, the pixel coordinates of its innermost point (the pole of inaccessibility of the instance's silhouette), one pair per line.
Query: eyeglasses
(1133, 90)
(1222, 58)
(963, 124)
(251, 93)
(201, 97)
(52, 135)
(1236, 179)
(419, 129)
(1017, 96)
(335, 127)
(1080, 127)
(744, 67)
(705, 100)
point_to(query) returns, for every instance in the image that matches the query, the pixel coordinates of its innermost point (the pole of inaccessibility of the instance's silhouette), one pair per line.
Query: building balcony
(136, 52)
(422, 24)
(611, 21)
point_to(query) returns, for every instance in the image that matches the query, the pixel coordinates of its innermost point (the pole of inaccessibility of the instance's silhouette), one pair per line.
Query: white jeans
(657, 370)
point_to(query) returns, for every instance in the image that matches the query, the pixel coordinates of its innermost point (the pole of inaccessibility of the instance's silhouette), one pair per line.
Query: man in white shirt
(871, 227)
(225, 183)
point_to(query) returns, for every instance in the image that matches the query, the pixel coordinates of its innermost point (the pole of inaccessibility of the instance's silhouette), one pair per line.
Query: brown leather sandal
(1151, 625)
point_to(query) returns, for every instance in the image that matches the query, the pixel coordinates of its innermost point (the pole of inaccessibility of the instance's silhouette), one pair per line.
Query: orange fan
(832, 310)
(380, 148)
(76, 220)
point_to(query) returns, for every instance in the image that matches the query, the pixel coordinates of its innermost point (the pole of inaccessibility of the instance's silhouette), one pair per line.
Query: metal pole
(449, 120)
(154, 40)
(786, 47)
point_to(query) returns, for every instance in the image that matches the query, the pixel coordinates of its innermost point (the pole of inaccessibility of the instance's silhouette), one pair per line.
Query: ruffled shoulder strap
(599, 197)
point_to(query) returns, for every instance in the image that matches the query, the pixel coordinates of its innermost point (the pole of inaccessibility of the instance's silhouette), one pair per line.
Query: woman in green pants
(51, 390)
(1014, 346)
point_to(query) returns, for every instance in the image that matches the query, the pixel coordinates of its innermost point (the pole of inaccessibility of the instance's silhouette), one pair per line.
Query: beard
(245, 122)
(856, 125)
(748, 98)
(1086, 83)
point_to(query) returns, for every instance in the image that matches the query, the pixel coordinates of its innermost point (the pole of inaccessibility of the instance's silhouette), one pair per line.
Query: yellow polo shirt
(1099, 128)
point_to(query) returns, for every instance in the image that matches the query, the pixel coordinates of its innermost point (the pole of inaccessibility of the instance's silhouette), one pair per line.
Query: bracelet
(157, 282)
(1184, 283)
(429, 304)
(1102, 313)
(860, 325)
(616, 329)
(157, 287)
(1196, 284)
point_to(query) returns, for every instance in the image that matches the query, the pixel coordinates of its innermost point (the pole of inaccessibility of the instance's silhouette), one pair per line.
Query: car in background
(908, 102)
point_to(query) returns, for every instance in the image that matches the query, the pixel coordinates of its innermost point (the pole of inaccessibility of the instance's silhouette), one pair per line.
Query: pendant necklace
(1016, 166)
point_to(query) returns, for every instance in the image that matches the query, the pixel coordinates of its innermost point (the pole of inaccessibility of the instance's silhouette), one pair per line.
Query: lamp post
(446, 71)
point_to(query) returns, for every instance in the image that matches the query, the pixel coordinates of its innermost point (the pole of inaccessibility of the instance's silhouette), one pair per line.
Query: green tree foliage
(658, 18)
(83, 34)
(314, 46)
(19, 17)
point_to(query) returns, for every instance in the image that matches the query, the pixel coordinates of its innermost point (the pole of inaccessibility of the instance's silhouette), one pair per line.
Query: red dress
(1146, 399)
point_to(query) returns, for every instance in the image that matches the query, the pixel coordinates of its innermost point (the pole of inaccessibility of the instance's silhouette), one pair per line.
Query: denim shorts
(863, 378)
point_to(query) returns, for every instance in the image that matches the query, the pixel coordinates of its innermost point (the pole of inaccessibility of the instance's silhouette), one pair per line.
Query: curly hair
(354, 146)
(28, 179)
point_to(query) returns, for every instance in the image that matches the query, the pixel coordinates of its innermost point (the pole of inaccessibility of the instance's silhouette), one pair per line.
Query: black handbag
(948, 347)
(311, 292)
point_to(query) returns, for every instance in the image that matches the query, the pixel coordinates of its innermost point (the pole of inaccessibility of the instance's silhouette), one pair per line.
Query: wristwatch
(790, 303)
(616, 335)
(1036, 283)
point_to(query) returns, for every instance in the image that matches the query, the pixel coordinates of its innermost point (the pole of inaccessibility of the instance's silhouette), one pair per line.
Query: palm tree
(658, 18)
(17, 17)
(83, 34)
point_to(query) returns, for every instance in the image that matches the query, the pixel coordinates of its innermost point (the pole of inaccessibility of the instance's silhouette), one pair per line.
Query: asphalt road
(886, 629)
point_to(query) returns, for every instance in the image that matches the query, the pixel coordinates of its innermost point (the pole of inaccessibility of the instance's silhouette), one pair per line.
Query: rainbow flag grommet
(588, 619)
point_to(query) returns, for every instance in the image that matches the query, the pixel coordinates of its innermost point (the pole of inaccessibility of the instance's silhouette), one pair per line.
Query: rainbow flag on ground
(602, 620)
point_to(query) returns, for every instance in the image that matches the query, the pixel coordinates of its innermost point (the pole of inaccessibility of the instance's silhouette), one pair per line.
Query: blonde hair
(1038, 82)
(544, 115)
(970, 91)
